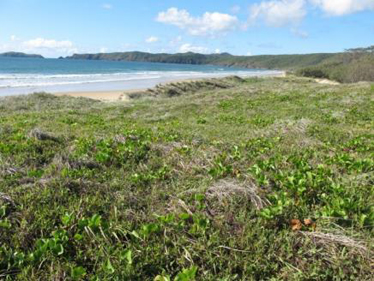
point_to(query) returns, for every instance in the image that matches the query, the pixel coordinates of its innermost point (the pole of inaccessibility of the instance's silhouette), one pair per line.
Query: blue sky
(253, 27)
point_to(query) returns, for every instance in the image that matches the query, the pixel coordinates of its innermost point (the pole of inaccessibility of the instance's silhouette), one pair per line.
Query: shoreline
(120, 94)
(117, 95)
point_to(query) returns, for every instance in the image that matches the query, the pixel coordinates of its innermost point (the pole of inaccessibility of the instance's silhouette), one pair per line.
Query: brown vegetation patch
(224, 189)
(42, 136)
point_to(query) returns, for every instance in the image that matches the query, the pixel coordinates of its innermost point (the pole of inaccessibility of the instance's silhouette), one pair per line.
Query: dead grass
(330, 240)
(226, 189)
(4, 198)
(42, 136)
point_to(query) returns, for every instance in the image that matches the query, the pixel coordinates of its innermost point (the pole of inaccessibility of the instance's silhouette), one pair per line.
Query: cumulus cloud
(191, 48)
(49, 47)
(278, 13)
(209, 24)
(4, 48)
(152, 39)
(48, 44)
(343, 7)
(14, 38)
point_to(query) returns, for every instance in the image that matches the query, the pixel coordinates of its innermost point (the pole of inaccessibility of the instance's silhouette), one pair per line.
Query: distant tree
(361, 50)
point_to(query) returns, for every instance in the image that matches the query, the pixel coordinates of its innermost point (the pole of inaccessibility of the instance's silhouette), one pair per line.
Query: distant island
(353, 65)
(20, 55)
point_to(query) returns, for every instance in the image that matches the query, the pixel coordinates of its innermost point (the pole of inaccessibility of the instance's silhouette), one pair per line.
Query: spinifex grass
(265, 179)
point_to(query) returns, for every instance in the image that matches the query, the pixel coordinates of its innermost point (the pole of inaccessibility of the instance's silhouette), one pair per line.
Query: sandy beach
(109, 96)
(118, 95)
(121, 95)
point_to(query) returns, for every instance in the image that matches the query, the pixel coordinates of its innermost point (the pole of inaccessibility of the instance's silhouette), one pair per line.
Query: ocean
(28, 75)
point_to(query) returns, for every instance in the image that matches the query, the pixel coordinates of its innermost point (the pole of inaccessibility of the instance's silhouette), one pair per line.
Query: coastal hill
(353, 65)
(20, 55)
(224, 59)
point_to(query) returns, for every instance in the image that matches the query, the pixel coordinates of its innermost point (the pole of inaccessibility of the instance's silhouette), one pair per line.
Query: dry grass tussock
(292, 126)
(331, 241)
(181, 88)
(4, 198)
(42, 136)
(224, 189)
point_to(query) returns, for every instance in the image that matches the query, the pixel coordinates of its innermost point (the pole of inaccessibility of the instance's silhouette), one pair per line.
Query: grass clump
(260, 179)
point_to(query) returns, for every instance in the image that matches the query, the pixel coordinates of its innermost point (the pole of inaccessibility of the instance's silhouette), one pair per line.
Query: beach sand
(118, 95)
(122, 95)
(101, 95)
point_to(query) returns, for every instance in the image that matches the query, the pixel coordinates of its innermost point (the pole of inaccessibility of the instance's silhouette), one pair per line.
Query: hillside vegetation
(345, 68)
(233, 179)
(352, 66)
(224, 59)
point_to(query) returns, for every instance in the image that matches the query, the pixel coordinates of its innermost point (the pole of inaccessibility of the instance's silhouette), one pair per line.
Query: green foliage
(187, 274)
(352, 66)
(263, 61)
(78, 273)
(203, 186)
(344, 68)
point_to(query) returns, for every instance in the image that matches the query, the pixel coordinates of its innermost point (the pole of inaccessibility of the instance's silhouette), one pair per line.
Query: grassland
(256, 179)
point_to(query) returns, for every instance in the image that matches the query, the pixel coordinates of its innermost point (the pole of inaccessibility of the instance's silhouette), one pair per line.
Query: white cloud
(209, 24)
(103, 49)
(107, 6)
(4, 48)
(152, 39)
(14, 38)
(48, 47)
(343, 7)
(278, 12)
(191, 48)
(217, 51)
(47, 44)
(45, 47)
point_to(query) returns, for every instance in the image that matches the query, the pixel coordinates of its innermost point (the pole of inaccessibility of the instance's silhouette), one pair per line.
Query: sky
(56, 28)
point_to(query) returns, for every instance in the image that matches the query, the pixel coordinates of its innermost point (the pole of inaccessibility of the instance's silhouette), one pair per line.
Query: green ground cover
(256, 179)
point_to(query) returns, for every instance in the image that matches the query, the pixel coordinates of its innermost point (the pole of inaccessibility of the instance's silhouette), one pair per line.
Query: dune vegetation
(231, 179)
(353, 66)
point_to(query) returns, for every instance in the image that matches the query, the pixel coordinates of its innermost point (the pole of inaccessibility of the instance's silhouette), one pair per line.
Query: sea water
(28, 75)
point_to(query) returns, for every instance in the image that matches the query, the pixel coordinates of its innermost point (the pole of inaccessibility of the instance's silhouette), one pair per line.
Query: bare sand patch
(101, 95)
